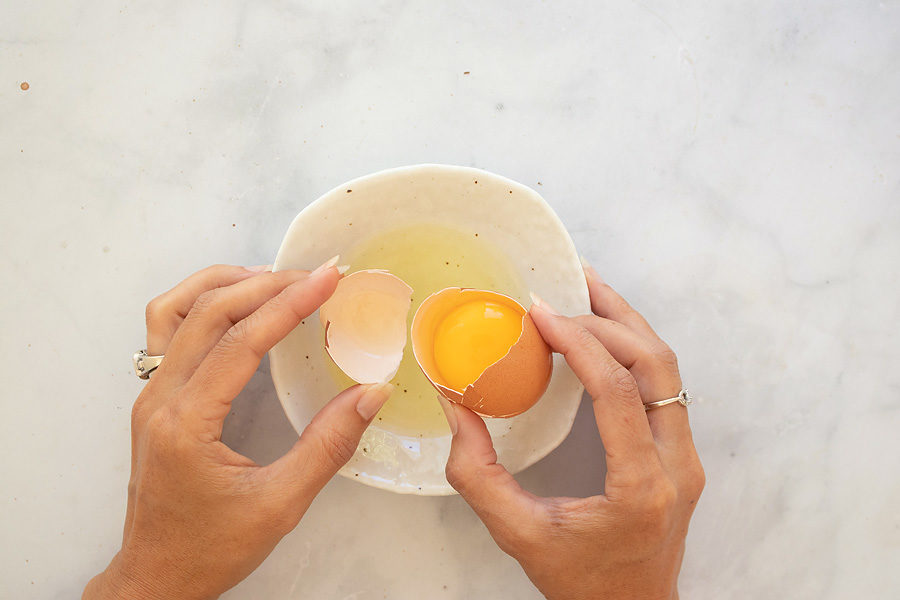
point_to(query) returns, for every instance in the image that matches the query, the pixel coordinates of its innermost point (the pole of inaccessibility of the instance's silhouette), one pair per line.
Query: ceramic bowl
(518, 223)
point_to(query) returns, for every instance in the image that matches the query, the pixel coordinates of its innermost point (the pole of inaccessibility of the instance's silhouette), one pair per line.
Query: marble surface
(733, 168)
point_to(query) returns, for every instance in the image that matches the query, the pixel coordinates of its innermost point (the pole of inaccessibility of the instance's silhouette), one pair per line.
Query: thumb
(329, 441)
(473, 471)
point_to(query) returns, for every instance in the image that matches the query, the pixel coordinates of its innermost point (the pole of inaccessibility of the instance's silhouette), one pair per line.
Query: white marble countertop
(733, 169)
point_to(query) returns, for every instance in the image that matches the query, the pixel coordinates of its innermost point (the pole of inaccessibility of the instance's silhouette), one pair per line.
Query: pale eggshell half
(506, 388)
(365, 325)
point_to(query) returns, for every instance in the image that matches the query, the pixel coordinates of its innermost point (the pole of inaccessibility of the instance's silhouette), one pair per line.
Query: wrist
(117, 581)
(129, 577)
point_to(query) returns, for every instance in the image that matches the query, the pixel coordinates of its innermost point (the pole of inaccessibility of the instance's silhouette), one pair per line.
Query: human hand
(200, 517)
(628, 542)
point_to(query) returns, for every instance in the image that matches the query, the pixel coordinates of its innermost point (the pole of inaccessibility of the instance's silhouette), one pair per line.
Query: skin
(201, 517)
(628, 542)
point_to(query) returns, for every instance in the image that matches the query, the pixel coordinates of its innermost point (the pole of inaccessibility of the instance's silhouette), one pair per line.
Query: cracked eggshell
(506, 388)
(365, 325)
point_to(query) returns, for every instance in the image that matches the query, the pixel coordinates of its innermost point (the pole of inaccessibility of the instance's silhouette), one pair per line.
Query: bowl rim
(379, 482)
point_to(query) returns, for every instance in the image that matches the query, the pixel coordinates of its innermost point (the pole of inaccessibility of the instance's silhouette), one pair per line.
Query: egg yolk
(472, 337)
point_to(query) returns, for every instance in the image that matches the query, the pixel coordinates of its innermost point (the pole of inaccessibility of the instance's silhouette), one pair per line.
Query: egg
(481, 349)
(476, 347)
(365, 325)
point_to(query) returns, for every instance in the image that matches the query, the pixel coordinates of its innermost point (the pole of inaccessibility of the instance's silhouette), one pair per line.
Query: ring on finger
(144, 364)
(683, 398)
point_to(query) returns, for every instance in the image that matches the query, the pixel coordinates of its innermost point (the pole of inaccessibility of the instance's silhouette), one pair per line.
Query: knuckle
(337, 446)
(621, 304)
(584, 338)
(461, 473)
(653, 512)
(205, 301)
(233, 335)
(455, 473)
(217, 271)
(660, 498)
(138, 416)
(622, 381)
(139, 406)
(155, 311)
(238, 339)
(695, 480)
(236, 335)
(665, 356)
(280, 304)
(664, 496)
(160, 425)
(156, 424)
(589, 321)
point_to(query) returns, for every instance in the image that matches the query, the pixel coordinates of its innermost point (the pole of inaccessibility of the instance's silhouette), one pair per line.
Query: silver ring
(683, 398)
(144, 364)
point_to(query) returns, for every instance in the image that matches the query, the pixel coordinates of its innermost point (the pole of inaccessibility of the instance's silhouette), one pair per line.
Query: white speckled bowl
(520, 224)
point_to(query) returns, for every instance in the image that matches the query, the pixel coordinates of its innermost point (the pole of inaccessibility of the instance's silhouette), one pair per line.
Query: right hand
(628, 542)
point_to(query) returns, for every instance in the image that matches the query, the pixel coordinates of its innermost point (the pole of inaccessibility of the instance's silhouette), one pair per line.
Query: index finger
(607, 303)
(233, 361)
(618, 409)
(166, 312)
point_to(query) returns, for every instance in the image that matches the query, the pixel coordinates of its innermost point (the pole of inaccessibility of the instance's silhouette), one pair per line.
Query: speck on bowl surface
(510, 216)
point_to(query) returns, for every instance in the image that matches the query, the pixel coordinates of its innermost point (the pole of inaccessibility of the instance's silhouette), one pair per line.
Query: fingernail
(373, 399)
(259, 268)
(584, 262)
(343, 269)
(538, 302)
(450, 413)
(326, 265)
(589, 271)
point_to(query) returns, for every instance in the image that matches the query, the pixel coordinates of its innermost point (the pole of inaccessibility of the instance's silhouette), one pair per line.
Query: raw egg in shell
(476, 347)
(482, 350)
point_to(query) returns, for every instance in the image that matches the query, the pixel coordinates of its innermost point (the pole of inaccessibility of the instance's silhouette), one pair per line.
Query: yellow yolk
(472, 337)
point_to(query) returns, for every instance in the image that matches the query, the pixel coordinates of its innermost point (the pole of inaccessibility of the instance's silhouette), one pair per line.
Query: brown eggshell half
(506, 388)
(517, 381)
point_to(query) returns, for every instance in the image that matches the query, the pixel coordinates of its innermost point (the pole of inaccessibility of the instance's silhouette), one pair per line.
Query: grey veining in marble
(732, 168)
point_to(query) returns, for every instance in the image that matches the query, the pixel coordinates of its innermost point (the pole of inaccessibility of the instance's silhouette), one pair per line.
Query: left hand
(200, 517)
(629, 541)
